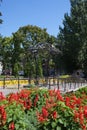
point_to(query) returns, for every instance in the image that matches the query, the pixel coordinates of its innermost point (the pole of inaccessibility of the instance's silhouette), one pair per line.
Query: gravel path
(7, 91)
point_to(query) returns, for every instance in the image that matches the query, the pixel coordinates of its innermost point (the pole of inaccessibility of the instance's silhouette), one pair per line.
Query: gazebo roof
(44, 46)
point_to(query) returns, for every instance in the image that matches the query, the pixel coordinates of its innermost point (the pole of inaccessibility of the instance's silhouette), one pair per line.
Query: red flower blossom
(44, 112)
(76, 116)
(11, 126)
(35, 100)
(2, 115)
(41, 118)
(27, 104)
(51, 93)
(67, 101)
(2, 97)
(59, 96)
(54, 115)
(85, 111)
(13, 97)
(84, 127)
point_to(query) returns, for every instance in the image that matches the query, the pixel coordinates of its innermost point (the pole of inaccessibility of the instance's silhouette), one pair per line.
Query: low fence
(64, 84)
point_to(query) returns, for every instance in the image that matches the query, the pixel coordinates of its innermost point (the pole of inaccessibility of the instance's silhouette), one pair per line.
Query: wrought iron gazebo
(43, 48)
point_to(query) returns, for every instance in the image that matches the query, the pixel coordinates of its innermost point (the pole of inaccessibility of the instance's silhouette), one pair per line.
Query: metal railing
(64, 84)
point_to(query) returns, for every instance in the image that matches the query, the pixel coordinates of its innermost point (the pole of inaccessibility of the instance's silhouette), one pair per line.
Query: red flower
(54, 114)
(67, 101)
(81, 118)
(76, 116)
(41, 118)
(51, 92)
(2, 115)
(85, 111)
(59, 96)
(84, 127)
(44, 112)
(13, 97)
(36, 100)
(11, 126)
(27, 104)
(2, 97)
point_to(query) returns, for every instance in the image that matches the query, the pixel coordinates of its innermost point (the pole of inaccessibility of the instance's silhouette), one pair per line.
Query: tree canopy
(72, 36)
(23, 56)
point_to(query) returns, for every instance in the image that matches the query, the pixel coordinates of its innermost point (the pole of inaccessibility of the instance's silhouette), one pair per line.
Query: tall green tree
(17, 53)
(6, 50)
(72, 35)
(83, 52)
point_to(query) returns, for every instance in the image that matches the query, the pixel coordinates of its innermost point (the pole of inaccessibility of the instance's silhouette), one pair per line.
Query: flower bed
(41, 109)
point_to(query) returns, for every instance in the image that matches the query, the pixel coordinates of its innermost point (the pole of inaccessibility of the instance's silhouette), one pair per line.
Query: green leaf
(9, 119)
(53, 124)
(64, 124)
(80, 129)
(60, 121)
(58, 128)
(45, 128)
(16, 126)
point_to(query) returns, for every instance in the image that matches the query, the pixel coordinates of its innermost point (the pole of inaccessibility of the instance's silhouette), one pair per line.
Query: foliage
(64, 76)
(6, 50)
(16, 68)
(16, 116)
(25, 51)
(41, 109)
(83, 57)
(72, 36)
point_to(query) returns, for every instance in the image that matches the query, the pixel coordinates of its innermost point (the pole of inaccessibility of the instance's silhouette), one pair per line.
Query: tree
(23, 39)
(83, 52)
(17, 53)
(83, 57)
(31, 46)
(6, 50)
(72, 35)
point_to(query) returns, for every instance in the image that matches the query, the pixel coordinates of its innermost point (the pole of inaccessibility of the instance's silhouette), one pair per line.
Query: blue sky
(43, 13)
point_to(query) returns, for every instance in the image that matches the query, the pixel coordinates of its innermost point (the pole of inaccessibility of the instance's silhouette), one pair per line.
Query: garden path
(62, 87)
